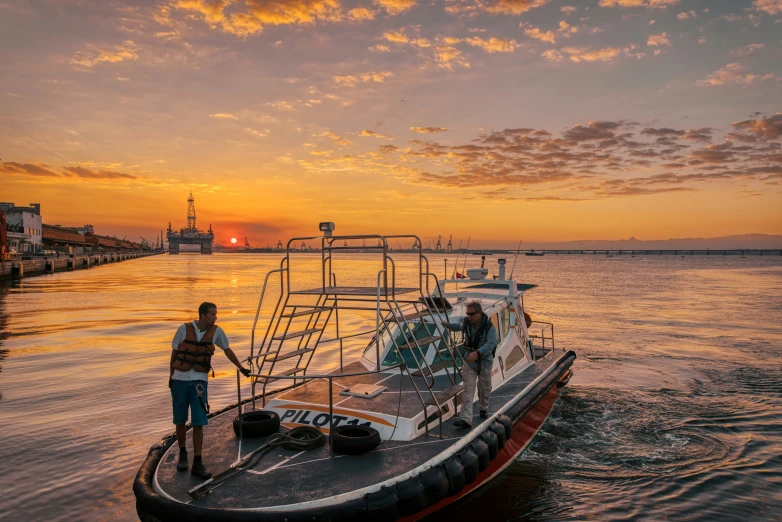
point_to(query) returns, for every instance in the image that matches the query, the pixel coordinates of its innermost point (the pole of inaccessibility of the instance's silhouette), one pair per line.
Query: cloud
(771, 7)
(764, 128)
(360, 13)
(534, 32)
(657, 40)
(653, 4)
(29, 169)
(260, 13)
(394, 7)
(428, 130)
(583, 54)
(223, 116)
(447, 56)
(747, 50)
(732, 73)
(493, 45)
(281, 105)
(567, 9)
(599, 159)
(379, 48)
(594, 130)
(514, 7)
(92, 56)
(336, 138)
(83, 172)
(373, 134)
(354, 79)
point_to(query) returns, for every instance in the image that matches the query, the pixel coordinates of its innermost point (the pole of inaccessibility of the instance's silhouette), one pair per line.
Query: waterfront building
(63, 239)
(24, 227)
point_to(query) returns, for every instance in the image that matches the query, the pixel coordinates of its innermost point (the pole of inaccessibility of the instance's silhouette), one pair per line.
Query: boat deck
(284, 477)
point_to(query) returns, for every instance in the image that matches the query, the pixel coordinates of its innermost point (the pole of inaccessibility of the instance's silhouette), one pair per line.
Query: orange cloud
(512, 6)
(223, 116)
(732, 73)
(534, 32)
(428, 130)
(493, 45)
(395, 7)
(361, 13)
(352, 80)
(373, 134)
(658, 40)
(654, 4)
(93, 55)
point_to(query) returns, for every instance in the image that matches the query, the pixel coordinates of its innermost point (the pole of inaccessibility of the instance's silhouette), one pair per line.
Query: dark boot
(199, 470)
(182, 464)
(484, 414)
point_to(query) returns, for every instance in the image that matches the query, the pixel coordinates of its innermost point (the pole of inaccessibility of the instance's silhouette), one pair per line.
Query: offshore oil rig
(190, 235)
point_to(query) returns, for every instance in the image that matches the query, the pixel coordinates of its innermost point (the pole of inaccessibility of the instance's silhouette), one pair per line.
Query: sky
(499, 120)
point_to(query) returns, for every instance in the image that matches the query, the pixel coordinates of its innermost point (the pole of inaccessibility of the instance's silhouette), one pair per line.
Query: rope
(300, 438)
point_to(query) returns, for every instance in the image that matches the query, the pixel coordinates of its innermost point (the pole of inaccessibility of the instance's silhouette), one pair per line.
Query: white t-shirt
(219, 339)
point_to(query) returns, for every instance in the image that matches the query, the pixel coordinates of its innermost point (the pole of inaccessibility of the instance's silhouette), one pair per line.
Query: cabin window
(495, 320)
(412, 331)
(513, 358)
(506, 322)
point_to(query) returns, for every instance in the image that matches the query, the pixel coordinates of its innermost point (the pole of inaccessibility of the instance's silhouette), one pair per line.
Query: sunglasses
(472, 313)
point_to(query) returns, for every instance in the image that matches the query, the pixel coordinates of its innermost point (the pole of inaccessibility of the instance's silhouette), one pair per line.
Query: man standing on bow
(480, 340)
(191, 361)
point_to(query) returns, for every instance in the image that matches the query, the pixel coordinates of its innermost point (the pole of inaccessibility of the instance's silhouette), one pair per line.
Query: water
(675, 410)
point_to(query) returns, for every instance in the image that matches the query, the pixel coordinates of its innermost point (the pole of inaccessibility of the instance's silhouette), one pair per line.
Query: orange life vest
(195, 354)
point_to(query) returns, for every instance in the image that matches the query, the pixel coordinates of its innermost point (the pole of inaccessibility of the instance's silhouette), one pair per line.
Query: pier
(658, 252)
(18, 269)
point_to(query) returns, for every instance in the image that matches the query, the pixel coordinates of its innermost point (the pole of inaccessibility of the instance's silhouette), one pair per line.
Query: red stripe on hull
(523, 433)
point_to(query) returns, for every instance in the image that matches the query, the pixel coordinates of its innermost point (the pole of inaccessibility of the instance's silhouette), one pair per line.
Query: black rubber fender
(507, 423)
(382, 505)
(499, 430)
(354, 440)
(470, 462)
(435, 483)
(490, 438)
(412, 497)
(455, 472)
(257, 423)
(481, 449)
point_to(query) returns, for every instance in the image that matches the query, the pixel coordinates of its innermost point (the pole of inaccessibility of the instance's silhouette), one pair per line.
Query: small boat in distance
(533, 253)
(393, 452)
(610, 253)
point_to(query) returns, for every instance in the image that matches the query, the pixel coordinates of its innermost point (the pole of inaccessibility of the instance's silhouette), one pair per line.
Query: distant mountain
(749, 241)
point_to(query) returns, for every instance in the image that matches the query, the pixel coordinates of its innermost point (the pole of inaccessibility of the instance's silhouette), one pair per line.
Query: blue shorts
(183, 396)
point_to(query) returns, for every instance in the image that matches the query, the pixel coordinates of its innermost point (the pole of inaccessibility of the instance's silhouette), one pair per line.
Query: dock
(18, 268)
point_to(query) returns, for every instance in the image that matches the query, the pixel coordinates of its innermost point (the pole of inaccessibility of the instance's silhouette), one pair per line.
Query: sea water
(674, 412)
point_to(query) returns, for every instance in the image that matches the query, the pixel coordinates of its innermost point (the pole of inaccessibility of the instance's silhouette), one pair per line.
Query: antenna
(456, 264)
(514, 260)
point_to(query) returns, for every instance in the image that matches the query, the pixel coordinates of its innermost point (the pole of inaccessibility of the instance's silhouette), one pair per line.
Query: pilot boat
(373, 439)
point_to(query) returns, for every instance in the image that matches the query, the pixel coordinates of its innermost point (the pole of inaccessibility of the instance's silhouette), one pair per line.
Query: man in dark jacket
(480, 340)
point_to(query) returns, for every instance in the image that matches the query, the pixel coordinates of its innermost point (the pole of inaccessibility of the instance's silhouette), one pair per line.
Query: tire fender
(507, 423)
(382, 505)
(490, 438)
(436, 485)
(455, 472)
(499, 430)
(257, 423)
(412, 497)
(470, 462)
(354, 440)
(481, 449)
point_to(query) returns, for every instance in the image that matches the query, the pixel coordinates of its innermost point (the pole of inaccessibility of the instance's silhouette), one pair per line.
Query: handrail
(258, 311)
(377, 321)
(328, 375)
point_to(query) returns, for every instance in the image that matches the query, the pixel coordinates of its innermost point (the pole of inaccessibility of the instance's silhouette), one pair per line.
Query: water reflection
(3, 333)
(674, 379)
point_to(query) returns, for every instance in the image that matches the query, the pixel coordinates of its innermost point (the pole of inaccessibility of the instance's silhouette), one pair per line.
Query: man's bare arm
(232, 357)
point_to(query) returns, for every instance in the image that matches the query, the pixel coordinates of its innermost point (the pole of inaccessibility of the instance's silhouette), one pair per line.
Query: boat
(533, 253)
(374, 438)
(610, 253)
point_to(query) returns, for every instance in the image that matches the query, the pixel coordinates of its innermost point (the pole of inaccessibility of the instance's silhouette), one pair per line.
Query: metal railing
(329, 376)
(544, 327)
